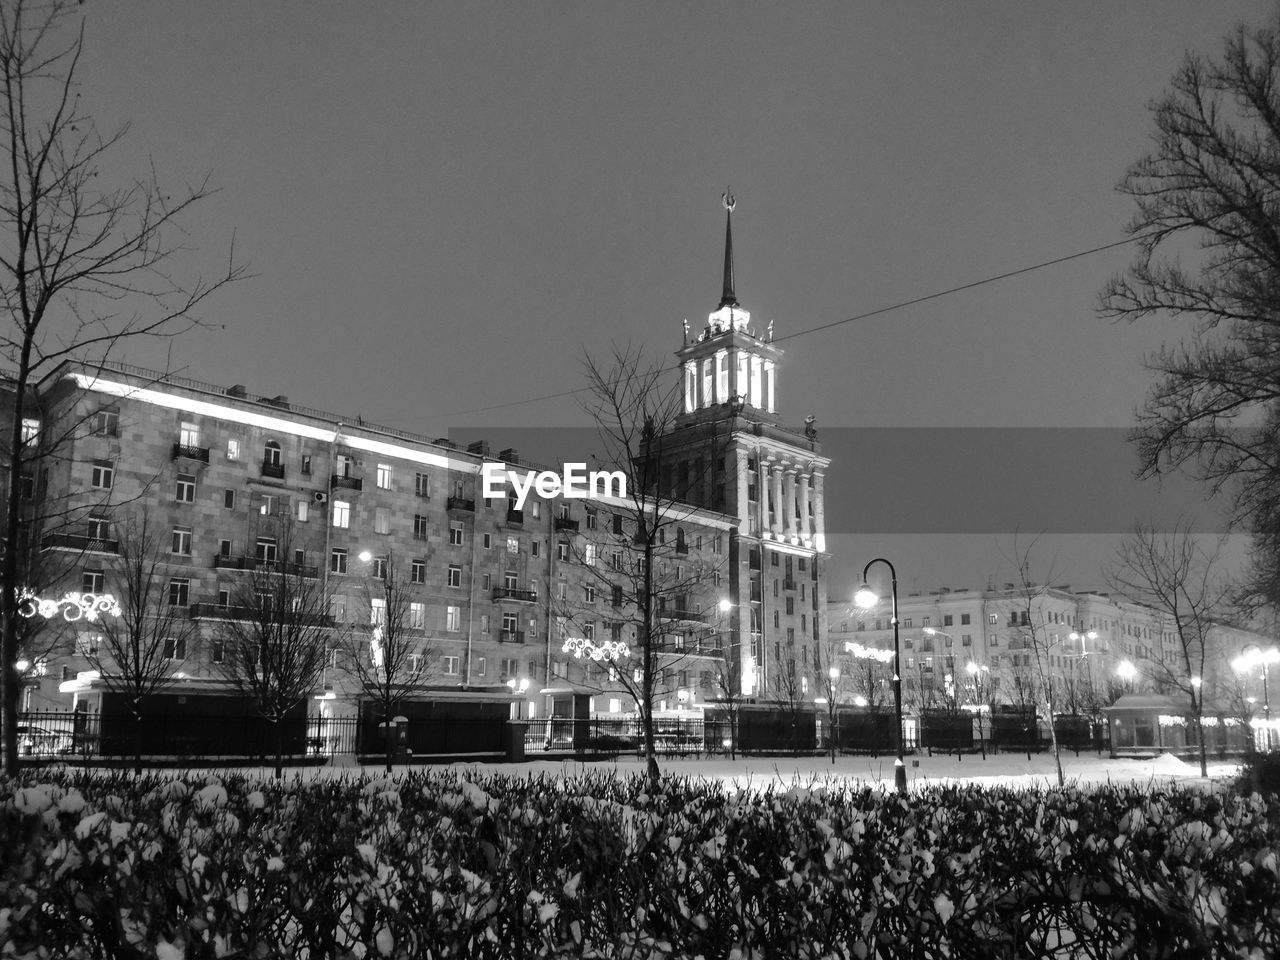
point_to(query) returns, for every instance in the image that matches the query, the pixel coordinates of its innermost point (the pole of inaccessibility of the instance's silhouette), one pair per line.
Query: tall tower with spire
(735, 455)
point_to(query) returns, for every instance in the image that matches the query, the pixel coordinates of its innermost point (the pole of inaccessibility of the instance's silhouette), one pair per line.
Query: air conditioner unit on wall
(319, 496)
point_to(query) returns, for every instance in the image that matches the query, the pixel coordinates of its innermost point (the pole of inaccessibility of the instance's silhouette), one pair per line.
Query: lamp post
(1254, 656)
(867, 598)
(833, 675)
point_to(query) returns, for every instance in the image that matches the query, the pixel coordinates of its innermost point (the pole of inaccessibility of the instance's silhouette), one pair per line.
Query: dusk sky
(446, 204)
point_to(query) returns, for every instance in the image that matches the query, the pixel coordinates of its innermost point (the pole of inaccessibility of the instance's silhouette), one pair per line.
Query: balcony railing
(511, 636)
(514, 593)
(566, 523)
(458, 503)
(273, 470)
(189, 451)
(269, 566)
(682, 548)
(693, 616)
(341, 482)
(788, 584)
(515, 516)
(72, 541)
(220, 611)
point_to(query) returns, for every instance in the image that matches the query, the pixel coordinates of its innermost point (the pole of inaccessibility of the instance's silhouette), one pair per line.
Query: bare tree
(138, 648)
(1173, 574)
(787, 687)
(1210, 181)
(84, 266)
(652, 581)
(391, 661)
(276, 640)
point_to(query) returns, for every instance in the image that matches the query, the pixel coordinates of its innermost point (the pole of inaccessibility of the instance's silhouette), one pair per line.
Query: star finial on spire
(728, 298)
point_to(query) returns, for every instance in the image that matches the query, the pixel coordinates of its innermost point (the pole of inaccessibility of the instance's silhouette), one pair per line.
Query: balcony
(692, 616)
(515, 516)
(187, 451)
(458, 503)
(221, 611)
(269, 566)
(514, 593)
(511, 636)
(565, 523)
(72, 541)
(341, 482)
(273, 470)
(788, 584)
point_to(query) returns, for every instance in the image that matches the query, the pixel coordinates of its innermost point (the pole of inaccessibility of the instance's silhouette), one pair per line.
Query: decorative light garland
(73, 606)
(869, 653)
(609, 650)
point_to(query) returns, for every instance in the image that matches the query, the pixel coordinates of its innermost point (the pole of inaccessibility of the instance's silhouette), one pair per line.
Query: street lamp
(833, 674)
(866, 598)
(1254, 656)
(1127, 672)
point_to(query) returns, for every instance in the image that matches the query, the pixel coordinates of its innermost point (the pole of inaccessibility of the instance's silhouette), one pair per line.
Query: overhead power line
(839, 323)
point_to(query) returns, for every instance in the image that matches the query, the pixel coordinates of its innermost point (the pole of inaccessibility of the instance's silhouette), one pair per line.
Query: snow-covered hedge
(433, 865)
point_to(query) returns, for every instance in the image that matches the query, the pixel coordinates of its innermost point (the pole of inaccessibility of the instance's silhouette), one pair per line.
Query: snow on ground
(1007, 769)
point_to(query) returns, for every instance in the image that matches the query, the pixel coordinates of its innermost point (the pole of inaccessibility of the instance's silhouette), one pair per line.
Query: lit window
(182, 541)
(378, 612)
(381, 520)
(341, 514)
(453, 619)
(513, 545)
(304, 511)
(30, 429)
(589, 555)
(268, 506)
(480, 665)
(233, 449)
(417, 616)
(189, 435)
(384, 476)
(103, 474)
(186, 488)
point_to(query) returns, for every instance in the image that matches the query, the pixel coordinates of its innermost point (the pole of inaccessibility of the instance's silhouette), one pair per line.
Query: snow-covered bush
(436, 865)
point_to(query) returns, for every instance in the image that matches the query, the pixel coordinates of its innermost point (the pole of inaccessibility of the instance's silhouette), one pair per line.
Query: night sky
(446, 204)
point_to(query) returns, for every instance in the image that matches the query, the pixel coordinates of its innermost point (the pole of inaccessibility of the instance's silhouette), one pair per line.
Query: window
(488, 540)
(304, 511)
(175, 649)
(993, 618)
(589, 555)
(341, 514)
(217, 651)
(93, 581)
(562, 590)
(562, 550)
(181, 541)
(233, 449)
(381, 520)
(30, 429)
(100, 528)
(510, 623)
(480, 666)
(925, 621)
(535, 548)
(271, 454)
(450, 666)
(224, 548)
(377, 612)
(964, 619)
(229, 499)
(617, 596)
(791, 606)
(419, 526)
(270, 505)
(591, 519)
(615, 561)
(617, 523)
(103, 474)
(422, 484)
(338, 560)
(509, 667)
(338, 609)
(265, 549)
(453, 619)
(378, 567)
(455, 575)
(418, 571)
(535, 508)
(306, 465)
(179, 592)
(486, 581)
(106, 423)
(417, 616)
(589, 631)
(189, 435)
(513, 545)
(384, 476)
(455, 533)
(186, 488)
(591, 593)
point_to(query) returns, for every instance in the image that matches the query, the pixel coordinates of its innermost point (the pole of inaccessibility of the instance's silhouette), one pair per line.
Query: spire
(728, 298)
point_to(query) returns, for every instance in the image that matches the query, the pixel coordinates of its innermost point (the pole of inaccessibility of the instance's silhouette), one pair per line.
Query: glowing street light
(1127, 672)
(1251, 657)
(866, 598)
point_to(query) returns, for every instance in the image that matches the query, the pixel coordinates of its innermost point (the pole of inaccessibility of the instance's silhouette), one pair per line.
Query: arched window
(682, 546)
(271, 454)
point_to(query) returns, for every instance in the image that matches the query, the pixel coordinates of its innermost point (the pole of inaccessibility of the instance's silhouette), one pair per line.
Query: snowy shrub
(435, 864)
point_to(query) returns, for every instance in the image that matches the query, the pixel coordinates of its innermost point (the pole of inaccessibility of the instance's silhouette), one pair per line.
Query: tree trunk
(279, 748)
(137, 742)
(1204, 760)
(386, 737)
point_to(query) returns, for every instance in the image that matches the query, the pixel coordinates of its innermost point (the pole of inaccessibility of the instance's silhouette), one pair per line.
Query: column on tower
(776, 516)
(743, 386)
(819, 527)
(743, 504)
(755, 382)
(690, 386)
(722, 376)
(707, 375)
(806, 522)
(772, 404)
(789, 500)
